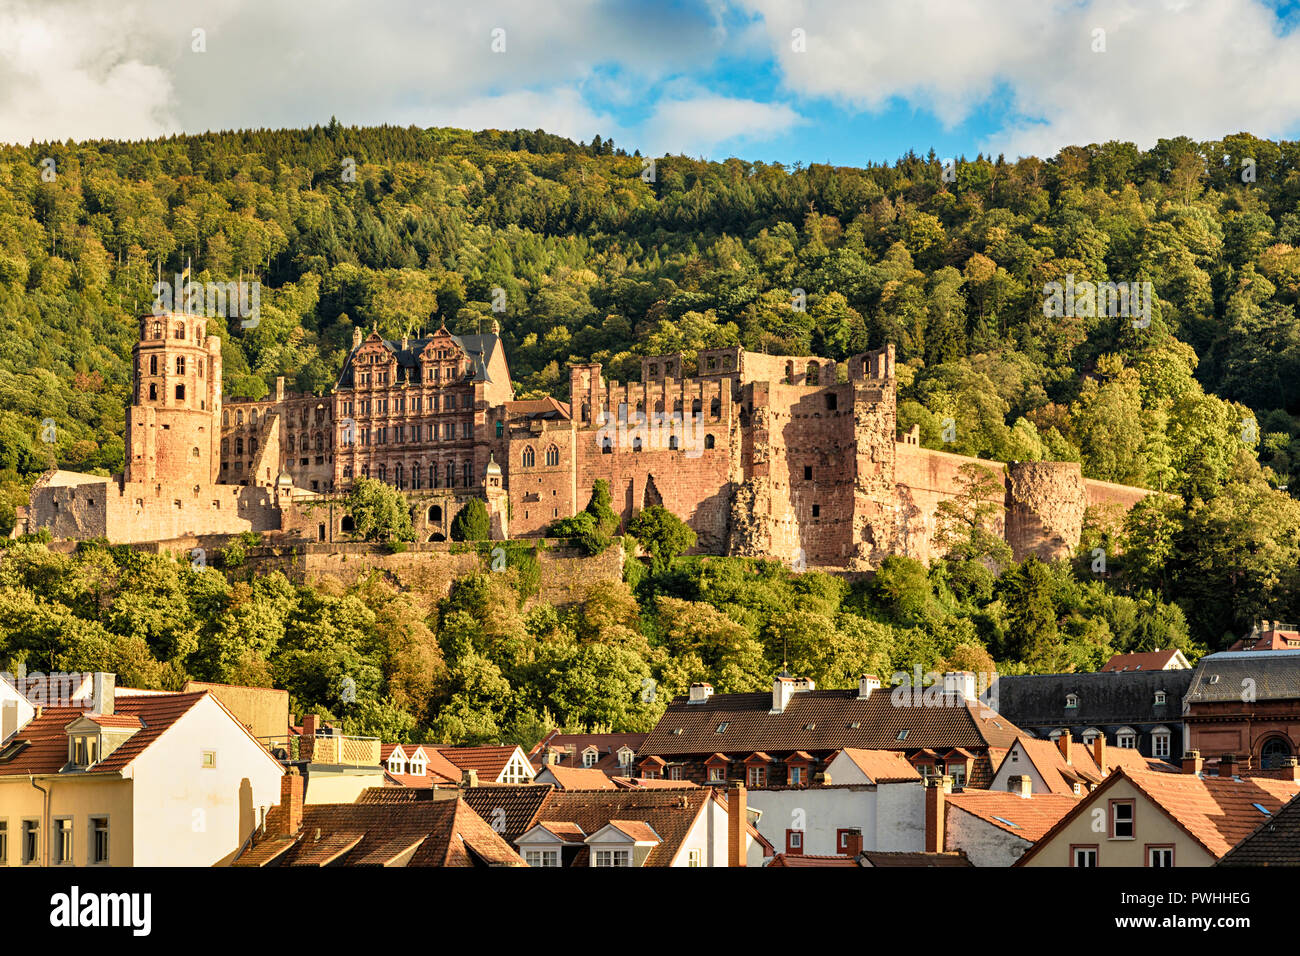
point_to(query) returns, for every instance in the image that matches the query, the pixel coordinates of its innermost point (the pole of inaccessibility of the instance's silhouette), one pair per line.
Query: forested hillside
(602, 258)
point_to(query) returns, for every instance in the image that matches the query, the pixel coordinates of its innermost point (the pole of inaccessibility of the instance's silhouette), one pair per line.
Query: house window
(842, 839)
(1126, 739)
(1089, 735)
(798, 776)
(98, 840)
(63, 840)
(1083, 856)
(1121, 820)
(1160, 855)
(4, 842)
(1160, 697)
(693, 858)
(589, 757)
(394, 765)
(794, 842)
(1071, 701)
(613, 858)
(717, 774)
(418, 767)
(208, 760)
(757, 776)
(958, 773)
(31, 841)
(542, 857)
(1160, 738)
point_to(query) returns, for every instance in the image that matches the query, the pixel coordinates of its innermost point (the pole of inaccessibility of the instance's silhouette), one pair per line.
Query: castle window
(606, 447)
(832, 402)
(501, 428)
(672, 442)
(252, 446)
(636, 444)
(807, 472)
(433, 476)
(180, 392)
(180, 365)
(239, 418)
(347, 471)
(467, 472)
(677, 405)
(153, 392)
(696, 406)
(715, 407)
(239, 446)
(195, 453)
(180, 330)
(225, 446)
(397, 476)
(320, 443)
(530, 458)
(290, 443)
(435, 513)
(552, 456)
(659, 406)
(709, 441)
(814, 374)
(586, 412)
(383, 472)
(157, 330)
(713, 362)
(153, 365)
(668, 369)
(451, 474)
(252, 415)
(654, 369)
(817, 511)
(225, 418)
(789, 373)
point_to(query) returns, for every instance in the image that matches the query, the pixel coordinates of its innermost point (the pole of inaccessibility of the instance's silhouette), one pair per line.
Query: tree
(662, 534)
(379, 511)
(471, 522)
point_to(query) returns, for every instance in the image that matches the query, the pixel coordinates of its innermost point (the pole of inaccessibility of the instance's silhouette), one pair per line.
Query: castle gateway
(793, 458)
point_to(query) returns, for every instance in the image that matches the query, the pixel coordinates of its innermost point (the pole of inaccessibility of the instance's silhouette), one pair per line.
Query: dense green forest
(604, 256)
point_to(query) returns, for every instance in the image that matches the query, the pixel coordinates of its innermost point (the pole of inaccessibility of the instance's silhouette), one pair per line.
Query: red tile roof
(1026, 817)
(488, 761)
(670, 814)
(577, 778)
(47, 750)
(644, 783)
(882, 766)
(439, 832)
(1142, 661)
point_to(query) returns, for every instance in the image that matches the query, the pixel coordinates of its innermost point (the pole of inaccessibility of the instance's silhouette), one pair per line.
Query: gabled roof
(881, 766)
(670, 814)
(1060, 777)
(830, 715)
(439, 771)
(1026, 817)
(1218, 677)
(1144, 661)
(1275, 842)
(637, 830)
(479, 348)
(578, 778)
(1216, 812)
(47, 750)
(432, 832)
(488, 761)
(513, 808)
(572, 746)
(545, 408)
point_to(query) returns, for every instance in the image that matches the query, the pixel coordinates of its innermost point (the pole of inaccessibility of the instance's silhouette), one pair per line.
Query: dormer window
(1071, 700)
(418, 766)
(83, 750)
(1160, 697)
(395, 765)
(589, 757)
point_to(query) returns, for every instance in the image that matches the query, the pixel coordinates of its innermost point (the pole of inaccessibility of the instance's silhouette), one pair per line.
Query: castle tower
(498, 503)
(173, 425)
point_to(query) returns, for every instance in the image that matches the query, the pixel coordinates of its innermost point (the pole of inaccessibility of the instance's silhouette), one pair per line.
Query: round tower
(1045, 504)
(173, 424)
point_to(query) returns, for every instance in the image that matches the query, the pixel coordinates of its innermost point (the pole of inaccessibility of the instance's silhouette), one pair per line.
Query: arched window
(709, 441)
(347, 471)
(180, 330)
(157, 330)
(672, 443)
(696, 406)
(814, 374)
(636, 444)
(451, 474)
(435, 513)
(606, 447)
(1271, 754)
(347, 525)
(552, 456)
(530, 457)
(677, 405)
(153, 365)
(433, 476)
(397, 475)
(225, 418)
(383, 472)
(180, 365)
(239, 418)
(252, 415)
(239, 446)
(789, 373)
(586, 412)
(416, 474)
(252, 446)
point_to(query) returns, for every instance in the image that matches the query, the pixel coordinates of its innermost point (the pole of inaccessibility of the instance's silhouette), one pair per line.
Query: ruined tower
(172, 431)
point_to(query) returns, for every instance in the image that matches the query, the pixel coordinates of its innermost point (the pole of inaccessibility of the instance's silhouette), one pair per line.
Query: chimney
(1192, 762)
(290, 818)
(866, 684)
(310, 725)
(700, 692)
(737, 819)
(101, 698)
(959, 684)
(854, 839)
(1021, 785)
(1099, 752)
(935, 788)
(784, 687)
(469, 778)
(279, 388)
(1064, 742)
(1228, 765)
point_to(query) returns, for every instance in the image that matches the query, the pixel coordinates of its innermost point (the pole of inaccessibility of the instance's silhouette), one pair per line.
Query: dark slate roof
(480, 349)
(1114, 697)
(511, 808)
(1275, 843)
(831, 714)
(1276, 676)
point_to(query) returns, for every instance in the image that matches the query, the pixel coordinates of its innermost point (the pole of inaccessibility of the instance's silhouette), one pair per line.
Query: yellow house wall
(79, 798)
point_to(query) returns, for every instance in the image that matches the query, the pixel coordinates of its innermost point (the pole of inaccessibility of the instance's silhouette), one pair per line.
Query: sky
(810, 81)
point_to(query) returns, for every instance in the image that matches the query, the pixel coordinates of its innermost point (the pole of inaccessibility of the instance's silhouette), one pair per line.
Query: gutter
(45, 836)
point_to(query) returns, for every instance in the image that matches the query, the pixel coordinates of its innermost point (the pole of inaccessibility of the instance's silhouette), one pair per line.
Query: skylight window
(1262, 809)
(902, 735)
(856, 725)
(722, 726)
(809, 726)
(1014, 826)
(677, 732)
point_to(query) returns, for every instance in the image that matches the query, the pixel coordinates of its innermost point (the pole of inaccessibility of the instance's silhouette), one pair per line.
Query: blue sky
(844, 81)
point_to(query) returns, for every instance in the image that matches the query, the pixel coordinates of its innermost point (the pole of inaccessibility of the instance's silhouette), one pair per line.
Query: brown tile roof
(1275, 842)
(568, 832)
(438, 769)
(1059, 776)
(831, 714)
(488, 761)
(1026, 817)
(801, 859)
(670, 813)
(956, 858)
(513, 807)
(391, 795)
(637, 830)
(47, 750)
(642, 783)
(571, 746)
(882, 766)
(441, 833)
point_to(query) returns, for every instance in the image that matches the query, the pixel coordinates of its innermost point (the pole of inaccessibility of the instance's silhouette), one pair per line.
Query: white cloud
(1202, 68)
(697, 125)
